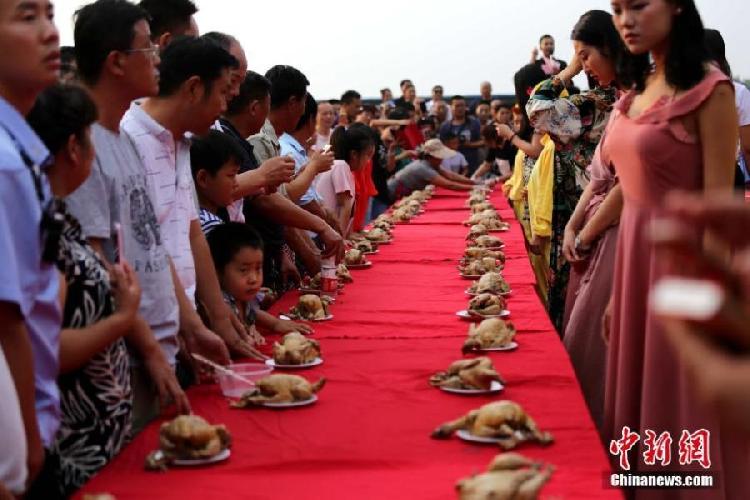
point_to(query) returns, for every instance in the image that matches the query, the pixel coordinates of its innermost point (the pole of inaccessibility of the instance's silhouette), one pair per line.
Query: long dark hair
(524, 81)
(717, 51)
(686, 56)
(595, 28)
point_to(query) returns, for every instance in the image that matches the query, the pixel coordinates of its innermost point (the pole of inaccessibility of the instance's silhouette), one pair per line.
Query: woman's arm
(441, 181)
(532, 149)
(344, 203)
(452, 176)
(482, 170)
(607, 214)
(745, 143)
(319, 163)
(576, 220)
(718, 131)
(79, 345)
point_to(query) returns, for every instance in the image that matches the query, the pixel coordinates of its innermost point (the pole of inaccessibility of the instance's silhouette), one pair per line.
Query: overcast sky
(367, 45)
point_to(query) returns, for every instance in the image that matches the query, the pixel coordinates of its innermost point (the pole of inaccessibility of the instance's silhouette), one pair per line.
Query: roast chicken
(490, 333)
(364, 246)
(477, 373)
(295, 349)
(510, 476)
(487, 304)
(502, 420)
(491, 282)
(377, 235)
(279, 388)
(310, 307)
(476, 230)
(188, 437)
(481, 207)
(487, 241)
(478, 253)
(354, 257)
(480, 266)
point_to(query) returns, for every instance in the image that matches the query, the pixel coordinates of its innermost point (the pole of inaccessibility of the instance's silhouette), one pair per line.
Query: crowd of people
(156, 195)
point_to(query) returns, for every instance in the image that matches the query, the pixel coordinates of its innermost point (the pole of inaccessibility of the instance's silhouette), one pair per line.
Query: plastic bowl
(233, 387)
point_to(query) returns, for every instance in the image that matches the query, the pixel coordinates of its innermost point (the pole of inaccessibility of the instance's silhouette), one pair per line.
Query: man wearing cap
(426, 170)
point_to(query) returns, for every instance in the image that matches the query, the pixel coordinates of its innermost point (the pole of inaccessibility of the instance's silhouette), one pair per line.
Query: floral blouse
(96, 400)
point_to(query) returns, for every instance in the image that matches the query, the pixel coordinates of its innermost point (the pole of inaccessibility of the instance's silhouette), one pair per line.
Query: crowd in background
(156, 196)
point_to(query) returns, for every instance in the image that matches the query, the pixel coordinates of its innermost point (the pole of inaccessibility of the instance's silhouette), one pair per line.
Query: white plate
(474, 294)
(293, 404)
(314, 362)
(512, 346)
(370, 253)
(365, 265)
(468, 436)
(495, 387)
(464, 314)
(287, 318)
(219, 457)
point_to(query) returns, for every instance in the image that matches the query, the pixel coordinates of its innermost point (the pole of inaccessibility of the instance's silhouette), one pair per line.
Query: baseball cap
(435, 148)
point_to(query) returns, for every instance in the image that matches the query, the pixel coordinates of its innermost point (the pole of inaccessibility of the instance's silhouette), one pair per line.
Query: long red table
(368, 436)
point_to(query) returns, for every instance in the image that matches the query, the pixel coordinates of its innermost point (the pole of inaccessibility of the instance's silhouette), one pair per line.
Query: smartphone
(120, 257)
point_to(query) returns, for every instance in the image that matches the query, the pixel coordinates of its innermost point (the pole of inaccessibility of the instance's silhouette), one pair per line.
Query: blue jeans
(377, 207)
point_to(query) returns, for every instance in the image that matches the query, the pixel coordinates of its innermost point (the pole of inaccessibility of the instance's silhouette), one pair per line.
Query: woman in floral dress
(100, 305)
(576, 124)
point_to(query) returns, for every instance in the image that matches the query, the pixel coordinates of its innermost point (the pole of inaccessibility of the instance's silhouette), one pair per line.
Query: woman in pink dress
(676, 130)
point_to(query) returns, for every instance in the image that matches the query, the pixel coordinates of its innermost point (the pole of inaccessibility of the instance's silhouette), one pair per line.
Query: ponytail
(357, 138)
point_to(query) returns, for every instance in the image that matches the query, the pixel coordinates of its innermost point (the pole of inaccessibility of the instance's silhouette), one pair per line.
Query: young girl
(352, 149)
(237, 252)
(676, 130)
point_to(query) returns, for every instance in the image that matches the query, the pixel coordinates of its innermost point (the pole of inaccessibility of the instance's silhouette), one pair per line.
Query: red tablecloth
(368, 435)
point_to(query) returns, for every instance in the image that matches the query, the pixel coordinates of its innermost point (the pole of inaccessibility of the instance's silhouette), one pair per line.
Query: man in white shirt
(194, 86)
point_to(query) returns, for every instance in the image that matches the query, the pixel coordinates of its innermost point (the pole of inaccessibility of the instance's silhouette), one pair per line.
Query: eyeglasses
(151, 51)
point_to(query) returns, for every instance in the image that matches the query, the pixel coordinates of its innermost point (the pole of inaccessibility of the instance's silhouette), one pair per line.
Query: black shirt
(380, 173)
(401, 103)
(272, 233)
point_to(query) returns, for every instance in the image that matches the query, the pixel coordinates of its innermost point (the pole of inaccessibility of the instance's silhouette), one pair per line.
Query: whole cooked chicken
(476, 230)
(478, 253)
(377, 235)
(488, 241)
(487, 304)
(481, 207)
(188, 437)
(491, 282)
(481, 217)
(503, 420)
(415, 206)
(342, 273)
(480, 266)
(280, 388)
(364, 246)
(402, 214)
(495, 224)
(491, 333)
(354, 257)
(386, 226)
(295, 349)
(310, 307)
(477, 373)
(510, 476)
